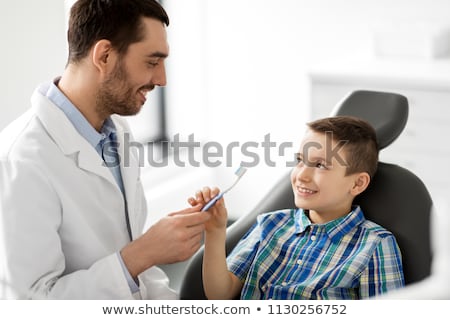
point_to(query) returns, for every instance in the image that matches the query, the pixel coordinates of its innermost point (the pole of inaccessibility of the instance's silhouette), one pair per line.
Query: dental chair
(395, 199)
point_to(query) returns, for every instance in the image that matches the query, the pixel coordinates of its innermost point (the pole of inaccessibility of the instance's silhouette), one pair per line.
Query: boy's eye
(318, 164)
(321, 165)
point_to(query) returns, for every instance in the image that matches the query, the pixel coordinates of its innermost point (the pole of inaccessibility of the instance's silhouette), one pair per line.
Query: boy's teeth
(306, 190)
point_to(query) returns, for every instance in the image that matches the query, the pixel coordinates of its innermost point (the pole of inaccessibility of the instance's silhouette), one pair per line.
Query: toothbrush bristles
(240, 171)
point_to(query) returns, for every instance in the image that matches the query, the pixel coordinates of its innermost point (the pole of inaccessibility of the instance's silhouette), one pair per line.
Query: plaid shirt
(285, 256)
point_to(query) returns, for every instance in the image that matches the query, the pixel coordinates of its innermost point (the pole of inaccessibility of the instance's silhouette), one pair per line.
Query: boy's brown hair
(361, 146)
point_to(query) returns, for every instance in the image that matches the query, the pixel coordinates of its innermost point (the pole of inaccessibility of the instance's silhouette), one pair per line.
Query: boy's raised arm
(218, 282)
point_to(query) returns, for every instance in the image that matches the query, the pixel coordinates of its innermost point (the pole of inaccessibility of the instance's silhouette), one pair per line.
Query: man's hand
(174, 238)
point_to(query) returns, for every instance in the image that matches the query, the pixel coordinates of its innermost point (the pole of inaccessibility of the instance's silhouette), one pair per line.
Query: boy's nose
(303, 173)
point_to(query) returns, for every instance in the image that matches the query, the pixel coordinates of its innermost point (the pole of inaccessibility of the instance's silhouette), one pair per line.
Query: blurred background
(242, 71)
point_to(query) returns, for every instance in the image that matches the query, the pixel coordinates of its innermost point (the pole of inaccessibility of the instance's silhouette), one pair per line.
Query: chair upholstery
(386, 112)
(396, 198)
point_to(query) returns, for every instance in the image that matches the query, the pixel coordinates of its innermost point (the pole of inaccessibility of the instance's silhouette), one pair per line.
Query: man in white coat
(71, 213)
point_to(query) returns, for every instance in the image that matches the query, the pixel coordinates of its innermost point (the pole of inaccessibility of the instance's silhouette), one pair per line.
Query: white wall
(245, 60)
(33, 50)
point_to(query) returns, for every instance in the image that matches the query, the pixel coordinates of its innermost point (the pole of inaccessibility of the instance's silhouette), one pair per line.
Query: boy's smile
(305, 192)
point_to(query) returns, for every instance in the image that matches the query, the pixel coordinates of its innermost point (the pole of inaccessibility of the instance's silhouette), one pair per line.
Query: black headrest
(387, 112)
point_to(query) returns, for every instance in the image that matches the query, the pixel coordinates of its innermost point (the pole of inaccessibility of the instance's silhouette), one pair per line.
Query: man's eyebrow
(157, 54)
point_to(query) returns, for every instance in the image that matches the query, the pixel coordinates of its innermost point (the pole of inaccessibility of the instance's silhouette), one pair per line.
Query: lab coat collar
(74, 146)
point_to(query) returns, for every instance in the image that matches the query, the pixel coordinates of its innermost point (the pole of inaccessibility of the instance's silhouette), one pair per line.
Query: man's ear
(101, 55)
(360, 183)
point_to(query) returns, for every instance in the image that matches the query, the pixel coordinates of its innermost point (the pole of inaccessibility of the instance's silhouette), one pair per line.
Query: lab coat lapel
(129, 167)
(71, 143)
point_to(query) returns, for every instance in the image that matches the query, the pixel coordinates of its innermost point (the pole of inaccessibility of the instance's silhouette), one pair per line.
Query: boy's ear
(360, 183)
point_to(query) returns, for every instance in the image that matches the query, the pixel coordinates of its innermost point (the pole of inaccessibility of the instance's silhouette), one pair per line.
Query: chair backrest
(395, 199)
(387, 112)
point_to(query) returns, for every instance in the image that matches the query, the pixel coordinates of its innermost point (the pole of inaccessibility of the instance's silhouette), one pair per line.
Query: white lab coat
(62, 218)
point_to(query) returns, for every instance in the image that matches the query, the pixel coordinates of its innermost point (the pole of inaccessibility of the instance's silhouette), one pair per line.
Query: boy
(325, 249)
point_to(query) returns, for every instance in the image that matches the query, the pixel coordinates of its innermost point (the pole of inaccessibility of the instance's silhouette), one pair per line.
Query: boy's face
(319, 182)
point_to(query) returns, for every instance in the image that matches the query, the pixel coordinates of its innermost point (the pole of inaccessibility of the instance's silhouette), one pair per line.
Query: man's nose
(159, 77)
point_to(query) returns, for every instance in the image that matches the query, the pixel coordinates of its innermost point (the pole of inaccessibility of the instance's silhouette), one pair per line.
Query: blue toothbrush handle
(212, 202)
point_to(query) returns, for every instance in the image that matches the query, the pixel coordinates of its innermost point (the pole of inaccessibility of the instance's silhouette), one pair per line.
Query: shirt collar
(302, 221)
(335, 229)
(84, 128)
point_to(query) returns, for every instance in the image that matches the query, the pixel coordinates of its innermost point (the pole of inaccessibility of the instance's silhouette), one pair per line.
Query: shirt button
(313, 238)
(284, 283)
(299, 261)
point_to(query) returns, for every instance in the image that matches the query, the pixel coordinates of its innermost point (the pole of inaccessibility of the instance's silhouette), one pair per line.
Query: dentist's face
(136, 73)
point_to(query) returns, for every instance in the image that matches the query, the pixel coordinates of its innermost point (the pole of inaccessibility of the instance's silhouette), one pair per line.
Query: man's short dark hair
(119, 21)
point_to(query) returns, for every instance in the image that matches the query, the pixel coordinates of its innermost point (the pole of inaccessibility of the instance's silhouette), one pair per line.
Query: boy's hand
(218, 211)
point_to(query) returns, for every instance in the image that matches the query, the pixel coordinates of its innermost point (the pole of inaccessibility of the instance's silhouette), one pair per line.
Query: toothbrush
(239, 172)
